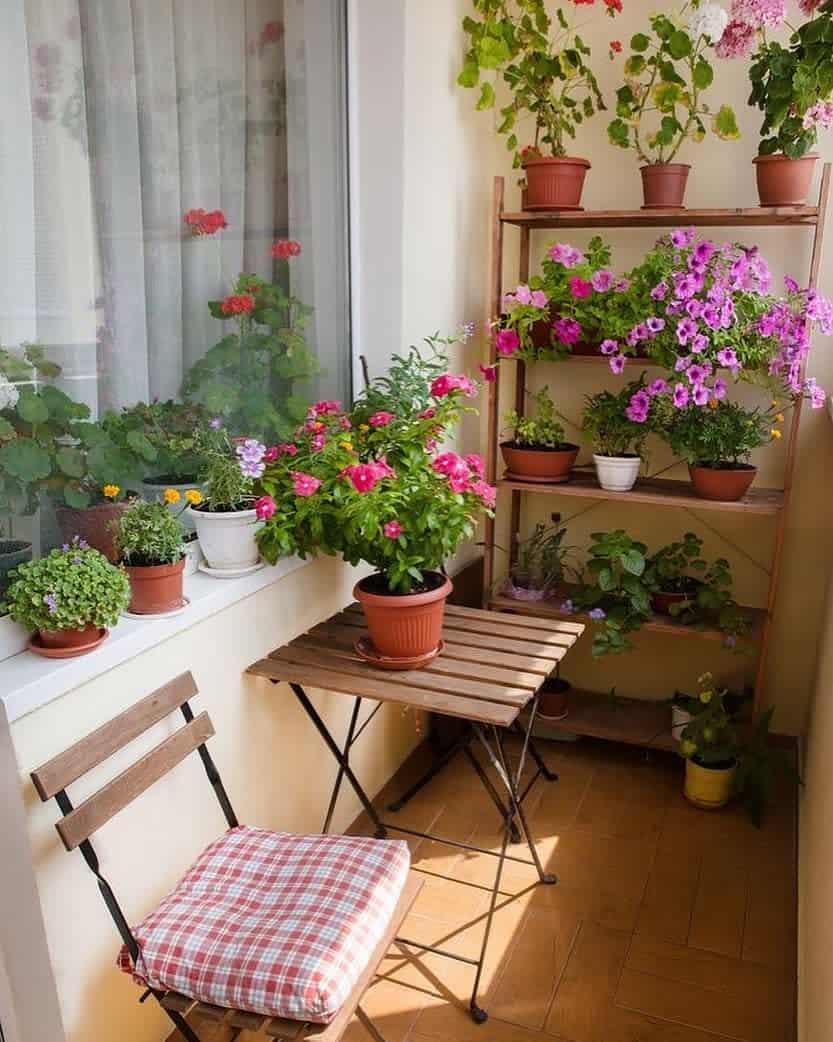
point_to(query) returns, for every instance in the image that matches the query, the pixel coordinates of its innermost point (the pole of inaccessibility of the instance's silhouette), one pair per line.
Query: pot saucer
(509, 476)
(546, 208)
(365, 649)
(231, 573)
(79, 649)
(185, 603)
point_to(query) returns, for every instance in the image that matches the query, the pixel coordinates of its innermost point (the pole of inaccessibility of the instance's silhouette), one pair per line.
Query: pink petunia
(507, 342)
(489, 373)
(304, 484)
(579, 287)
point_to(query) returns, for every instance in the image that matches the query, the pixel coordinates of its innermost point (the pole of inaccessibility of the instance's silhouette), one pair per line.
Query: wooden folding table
(491, 668)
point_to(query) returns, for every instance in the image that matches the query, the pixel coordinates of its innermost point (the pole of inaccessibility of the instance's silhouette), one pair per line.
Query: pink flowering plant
(373, 484)
(618, 423)
(792, 85)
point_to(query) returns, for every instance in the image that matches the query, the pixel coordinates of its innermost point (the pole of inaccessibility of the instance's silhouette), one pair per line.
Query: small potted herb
(666, 76)
(68, 598)
(544, 63)
(717, 442)
(617, 425)
(228, 519)
(150, 543)
(539, 564)
(537, 450)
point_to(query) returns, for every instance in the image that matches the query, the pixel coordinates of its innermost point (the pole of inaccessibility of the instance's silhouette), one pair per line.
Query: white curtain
(121, 115)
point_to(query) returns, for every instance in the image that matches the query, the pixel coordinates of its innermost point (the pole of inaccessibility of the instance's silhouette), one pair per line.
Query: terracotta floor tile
(392, 1008)
(668, 901)
(719, 913)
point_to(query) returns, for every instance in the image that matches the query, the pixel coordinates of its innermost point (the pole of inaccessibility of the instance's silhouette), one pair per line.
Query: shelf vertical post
(520, 400)
(496, 296)
(792, 451)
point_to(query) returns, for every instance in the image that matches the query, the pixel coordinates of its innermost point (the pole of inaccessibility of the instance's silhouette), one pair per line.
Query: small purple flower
(467, 332)
(609, 347)
(696, 374)
(215, 423)
(680, 396)
(601, 281)
(636, 335)
(568, 608)
(699, 343)
(815, 393)
(563, 253)
(694, 308)
(790, 285)
(686, 329)
(523, 294)
(700, 395)
(660, 291)
(682, 363)
(65, 547)
(617, 364)
(77, 559)
(711, 316)
(720, 389)
(622, 285)
(567, 330)
(658, 386)
(728, 358)
(250, 455)
(51, 602)
(597, 614)
(539, 298)
(686, 286)
(654, 324)
(703, 251)
(682, 237)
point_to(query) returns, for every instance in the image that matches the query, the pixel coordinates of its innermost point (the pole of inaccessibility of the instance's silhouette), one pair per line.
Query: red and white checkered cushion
(273, 923)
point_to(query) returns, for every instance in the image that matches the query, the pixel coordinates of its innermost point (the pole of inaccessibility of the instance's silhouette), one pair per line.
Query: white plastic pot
(617, 473)
(227, 538)
(680, 719)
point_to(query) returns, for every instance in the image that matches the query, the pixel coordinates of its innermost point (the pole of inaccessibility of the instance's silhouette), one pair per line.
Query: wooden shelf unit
(632, 720)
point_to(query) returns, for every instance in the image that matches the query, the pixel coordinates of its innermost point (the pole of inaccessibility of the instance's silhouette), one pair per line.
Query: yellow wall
(721, 175)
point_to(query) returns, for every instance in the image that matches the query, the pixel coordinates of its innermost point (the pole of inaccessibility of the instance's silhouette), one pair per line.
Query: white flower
(708, 20)
(8, 394)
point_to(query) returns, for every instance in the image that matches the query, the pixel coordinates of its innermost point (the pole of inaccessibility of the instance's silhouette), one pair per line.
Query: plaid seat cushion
(273, 923)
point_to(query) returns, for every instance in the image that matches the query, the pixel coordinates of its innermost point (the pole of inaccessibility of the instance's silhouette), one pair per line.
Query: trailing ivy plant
(544, 63)
(665, 77)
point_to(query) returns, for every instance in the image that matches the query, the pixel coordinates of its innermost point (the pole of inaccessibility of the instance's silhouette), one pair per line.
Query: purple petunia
(699, 343)
(727, 357)
(597, 614)
(686, 329)
(700, 395)
(696, 374)
(654, 324)
(680, 396)
(617, 364)
(660, 291)
(609, 347)
(682, 237)
(567, 330)
(563, 253)
(658, 386)
(720, 389)
(602, 281)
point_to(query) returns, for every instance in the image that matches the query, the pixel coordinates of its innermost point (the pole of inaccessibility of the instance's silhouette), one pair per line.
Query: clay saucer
(509, 476)
(78, 649)
(365, 648)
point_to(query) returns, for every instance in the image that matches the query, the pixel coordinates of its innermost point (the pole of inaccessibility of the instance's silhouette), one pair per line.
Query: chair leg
(368, 1025)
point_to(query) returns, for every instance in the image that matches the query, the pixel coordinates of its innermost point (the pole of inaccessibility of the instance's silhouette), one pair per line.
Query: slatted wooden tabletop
(490, 666)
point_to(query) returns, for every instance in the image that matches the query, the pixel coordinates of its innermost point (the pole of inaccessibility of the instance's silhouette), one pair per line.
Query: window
(122, 120)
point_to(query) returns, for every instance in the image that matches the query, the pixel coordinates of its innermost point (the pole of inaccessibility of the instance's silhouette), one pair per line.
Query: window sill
(29, 681)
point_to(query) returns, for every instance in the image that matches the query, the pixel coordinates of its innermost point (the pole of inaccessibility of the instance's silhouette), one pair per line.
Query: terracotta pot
(663, 185)
(724, 484)
(94, 524)
(404, 625)
(68, 638)
(783, 181)
(554, 183)
(155, 589)
(545, 465)
(708, 787)
(661, 602)
(555, 699)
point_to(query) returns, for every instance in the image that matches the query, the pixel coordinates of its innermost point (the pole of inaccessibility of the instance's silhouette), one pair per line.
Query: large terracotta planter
(783, 181)
(663, 185)
(540, 465)
(96, 525)
(404, 626)
(68, 638)
(554, 184)
(708, 787)
(722, 484)
(156, 589)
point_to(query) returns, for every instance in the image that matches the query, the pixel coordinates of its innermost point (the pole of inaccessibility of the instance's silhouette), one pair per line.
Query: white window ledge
(28, 681)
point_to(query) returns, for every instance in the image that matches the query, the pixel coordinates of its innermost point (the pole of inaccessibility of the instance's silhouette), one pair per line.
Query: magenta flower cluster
(465, 474)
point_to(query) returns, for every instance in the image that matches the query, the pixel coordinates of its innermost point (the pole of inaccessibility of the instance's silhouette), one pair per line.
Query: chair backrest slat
(99, 808)
(89, 752)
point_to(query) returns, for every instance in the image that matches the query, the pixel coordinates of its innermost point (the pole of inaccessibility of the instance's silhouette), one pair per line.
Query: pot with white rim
(617, 473)
(227, 537)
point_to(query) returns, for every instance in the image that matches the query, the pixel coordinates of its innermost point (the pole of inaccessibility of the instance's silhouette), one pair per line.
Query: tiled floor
(668, 924)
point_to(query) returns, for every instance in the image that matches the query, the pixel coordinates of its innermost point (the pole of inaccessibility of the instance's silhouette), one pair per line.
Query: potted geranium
(617, 425)
(539, 564)
(666, 76)
(793, 88)
(717, 442)
(228, 518)
(150, 542)
(374, 486)
(537, 449)
(68, 598)
(544, 62)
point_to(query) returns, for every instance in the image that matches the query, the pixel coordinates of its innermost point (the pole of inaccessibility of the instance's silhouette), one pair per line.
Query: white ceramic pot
(227, 538)
(194, 556)
(680, 719)
(617, 473)
(155, 492)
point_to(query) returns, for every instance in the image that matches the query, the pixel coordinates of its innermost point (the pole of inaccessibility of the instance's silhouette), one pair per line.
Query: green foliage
(404, 389)
(543, 62)
(68, 589)
(711, 738)
(665, 77)
(606, 424)
(616, 592)
(227, 488)
(540, 563)
(541, 431)
(725, 434)
(149, 534)
(169, 437)
(787, 81)
(251, 377)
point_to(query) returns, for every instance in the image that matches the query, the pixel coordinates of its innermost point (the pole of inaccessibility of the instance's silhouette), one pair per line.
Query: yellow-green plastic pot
(708, 787)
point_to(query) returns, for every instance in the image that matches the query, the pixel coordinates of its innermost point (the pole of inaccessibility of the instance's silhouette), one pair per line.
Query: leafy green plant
(544, 63)
(670, 568)
(541, 431)
(149, 534)
(721, 436)
(170, 437)
(251, 377)
(613, 425)
(665, 77)
(615, 594)
(540, 563)
(71, 588)
(228, 486)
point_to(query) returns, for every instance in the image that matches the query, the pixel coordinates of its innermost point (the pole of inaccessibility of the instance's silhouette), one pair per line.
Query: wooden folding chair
(79, 823)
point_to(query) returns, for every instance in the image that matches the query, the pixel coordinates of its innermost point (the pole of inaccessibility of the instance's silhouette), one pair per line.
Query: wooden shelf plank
(631, 720)
(656, 491)
(760, 216)
(659, 623)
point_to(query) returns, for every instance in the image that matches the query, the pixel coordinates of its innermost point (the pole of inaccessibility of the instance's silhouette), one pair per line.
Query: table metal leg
(432, 772)
(505, 812)
(549, 775)
(351, 730)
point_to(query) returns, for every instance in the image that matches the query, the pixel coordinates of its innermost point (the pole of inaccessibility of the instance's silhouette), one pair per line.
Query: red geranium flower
(239, 304)
(202, 222)
(616, 46)
(286, 248)
(613, 6)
